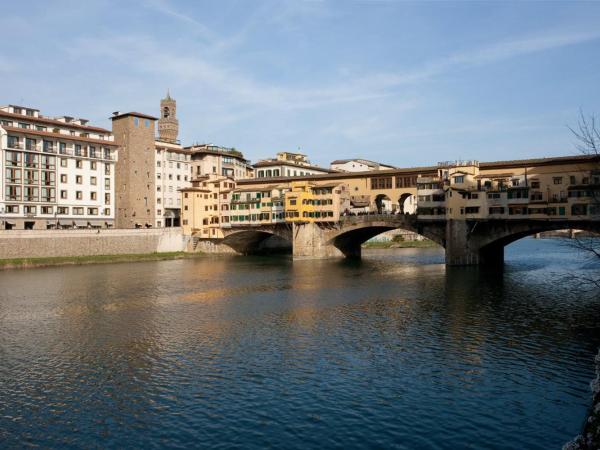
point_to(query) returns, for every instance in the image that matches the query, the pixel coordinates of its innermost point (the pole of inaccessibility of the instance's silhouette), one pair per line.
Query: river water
(395, 351)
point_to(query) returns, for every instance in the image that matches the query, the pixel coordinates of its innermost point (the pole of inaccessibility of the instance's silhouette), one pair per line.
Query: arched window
(166, 112)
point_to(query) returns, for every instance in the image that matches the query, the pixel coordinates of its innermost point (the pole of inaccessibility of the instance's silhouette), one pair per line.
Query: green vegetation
(22, 263)
(399, 242)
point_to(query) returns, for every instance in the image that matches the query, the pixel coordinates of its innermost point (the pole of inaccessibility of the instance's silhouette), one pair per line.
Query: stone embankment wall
(52, 243)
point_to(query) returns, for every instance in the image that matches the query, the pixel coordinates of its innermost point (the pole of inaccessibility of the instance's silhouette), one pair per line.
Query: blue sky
(407, 83)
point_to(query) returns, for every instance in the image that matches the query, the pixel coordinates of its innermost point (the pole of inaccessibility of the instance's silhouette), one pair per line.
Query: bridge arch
(357, 230)
(257, 241)
(487, 240)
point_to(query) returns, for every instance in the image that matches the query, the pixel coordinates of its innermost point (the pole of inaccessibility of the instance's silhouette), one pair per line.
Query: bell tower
(168, 125)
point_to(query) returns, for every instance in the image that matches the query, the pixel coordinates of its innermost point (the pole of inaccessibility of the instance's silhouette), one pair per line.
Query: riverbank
(29, 263)
(589, 439)
(425, 243)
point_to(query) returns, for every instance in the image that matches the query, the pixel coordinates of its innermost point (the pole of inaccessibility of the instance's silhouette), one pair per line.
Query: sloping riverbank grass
(425, 243)
(27, 263)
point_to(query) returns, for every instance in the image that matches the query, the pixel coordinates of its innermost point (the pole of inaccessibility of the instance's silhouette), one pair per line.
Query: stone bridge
(466, 242)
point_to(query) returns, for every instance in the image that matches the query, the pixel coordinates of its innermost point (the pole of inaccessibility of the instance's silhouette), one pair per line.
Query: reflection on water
(394, 350)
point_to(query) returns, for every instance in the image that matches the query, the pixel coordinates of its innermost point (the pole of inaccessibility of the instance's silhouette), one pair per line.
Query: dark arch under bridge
(274, 238)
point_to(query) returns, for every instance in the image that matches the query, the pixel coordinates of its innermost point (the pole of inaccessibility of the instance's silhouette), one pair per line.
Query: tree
(587, 137)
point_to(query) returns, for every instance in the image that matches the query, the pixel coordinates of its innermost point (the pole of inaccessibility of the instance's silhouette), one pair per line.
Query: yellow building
(310, 202)
(205, 206)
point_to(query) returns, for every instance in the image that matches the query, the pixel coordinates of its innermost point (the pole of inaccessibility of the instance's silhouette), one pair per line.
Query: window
(93, 211)
(63, 178)
(62, 210)
(107, 211)
(47, 209)
(535, 184)
(79, 164)
(136, 121)
(30, 194)
(536, 196)
(106, 169)
(93, 195)
(107, 183)
(78, 211)
(29, 209)
(13, 193)
(62, 148)
(47, 194)
(78, 179)
(77, 150)
(557, 180)
(12, 209)
(63, 194)
(459, 179)
(30, 144)
(13, 142)
(147, 123)
(79, 195)
(64, 162)
(107, 199)
(93, 165)
(572, 180)
(93, 181)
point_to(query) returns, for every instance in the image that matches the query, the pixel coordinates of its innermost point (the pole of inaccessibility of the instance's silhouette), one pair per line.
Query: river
(394, 351)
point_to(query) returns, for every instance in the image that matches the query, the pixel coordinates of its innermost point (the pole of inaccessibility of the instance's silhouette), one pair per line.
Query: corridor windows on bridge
(381, 183)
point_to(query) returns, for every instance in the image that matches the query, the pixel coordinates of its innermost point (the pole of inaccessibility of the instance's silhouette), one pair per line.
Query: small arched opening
(383, 204)
(407, 204)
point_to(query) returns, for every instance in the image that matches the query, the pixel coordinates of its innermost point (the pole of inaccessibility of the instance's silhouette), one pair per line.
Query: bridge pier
(464, 249)
(309, 242)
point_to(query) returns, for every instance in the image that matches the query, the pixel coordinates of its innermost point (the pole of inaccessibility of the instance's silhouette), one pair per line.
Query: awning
(64, 222)
(51, 222)
(96, 223)
(148, 225)
(10, 222)
(80, 223)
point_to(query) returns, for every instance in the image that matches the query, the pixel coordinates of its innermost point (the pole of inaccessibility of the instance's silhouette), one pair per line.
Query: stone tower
(168, 125)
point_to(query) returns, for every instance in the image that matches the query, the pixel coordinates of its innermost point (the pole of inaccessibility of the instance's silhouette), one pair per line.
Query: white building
(55, 172)
(287, 164)
(173, 172)
(357, 165)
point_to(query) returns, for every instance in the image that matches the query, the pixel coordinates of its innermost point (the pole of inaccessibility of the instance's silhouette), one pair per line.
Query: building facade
(357, 165)
(287, 164)
(135, 178)
(210, 159)
(56, 172)
(551, 189)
